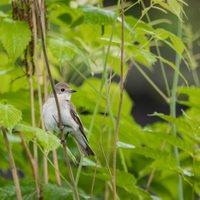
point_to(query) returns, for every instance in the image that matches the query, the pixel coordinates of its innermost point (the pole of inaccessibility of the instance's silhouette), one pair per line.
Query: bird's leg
(64, 142)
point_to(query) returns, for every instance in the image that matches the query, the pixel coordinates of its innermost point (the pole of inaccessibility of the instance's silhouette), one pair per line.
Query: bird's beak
(72, 91)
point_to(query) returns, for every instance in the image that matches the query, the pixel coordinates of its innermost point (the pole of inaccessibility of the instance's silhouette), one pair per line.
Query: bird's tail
(85, 148)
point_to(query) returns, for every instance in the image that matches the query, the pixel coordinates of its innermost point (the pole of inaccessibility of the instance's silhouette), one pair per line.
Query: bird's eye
(62, 89)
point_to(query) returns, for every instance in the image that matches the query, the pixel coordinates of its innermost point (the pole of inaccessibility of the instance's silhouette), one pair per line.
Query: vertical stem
(120, 104)
(173, 108)
(12, 162)
(38, 86)
(35, 151)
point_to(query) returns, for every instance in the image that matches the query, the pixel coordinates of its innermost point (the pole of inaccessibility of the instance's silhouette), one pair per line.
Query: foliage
(78, 37)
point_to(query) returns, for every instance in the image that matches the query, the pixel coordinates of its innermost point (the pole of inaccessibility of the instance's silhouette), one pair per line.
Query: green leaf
(27, 187)
(65, 51)
(15, 36)
(185, 124)
(176, 44)
(47, 140)
(173, 140)
(9, 116)
(53, 192)
(94, 15)
(173, 66)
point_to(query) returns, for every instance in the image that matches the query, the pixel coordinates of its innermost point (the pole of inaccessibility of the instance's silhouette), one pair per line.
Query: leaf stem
(12, 163)
(57, 103)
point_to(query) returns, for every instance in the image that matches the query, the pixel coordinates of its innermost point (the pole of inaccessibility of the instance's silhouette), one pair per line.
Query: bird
(70, 119)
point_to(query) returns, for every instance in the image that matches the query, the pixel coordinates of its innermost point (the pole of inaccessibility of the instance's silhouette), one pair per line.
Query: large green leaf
(65, 51)
(53, 192)
(47, 140)
(94, 15)
(27, 187)
(124, 180)
(15, 36)
(9, 116)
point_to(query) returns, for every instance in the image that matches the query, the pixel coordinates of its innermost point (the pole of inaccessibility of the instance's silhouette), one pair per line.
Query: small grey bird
(71, 121)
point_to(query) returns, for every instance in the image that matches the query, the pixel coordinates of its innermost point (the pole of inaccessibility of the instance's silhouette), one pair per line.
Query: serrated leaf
(94, 15)
(65, 51)
(124, 180)
(47, 140)
(177, 44)
(27, 187)
(53, 192)
(15, 36)
(172, 139)
(9, 116)
(184, 123)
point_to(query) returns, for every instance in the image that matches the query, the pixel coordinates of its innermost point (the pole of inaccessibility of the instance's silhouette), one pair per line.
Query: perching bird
(71, 121)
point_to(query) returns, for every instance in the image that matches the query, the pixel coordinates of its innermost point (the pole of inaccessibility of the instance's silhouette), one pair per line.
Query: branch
(12, 162)
(120, 104)
(57, 103)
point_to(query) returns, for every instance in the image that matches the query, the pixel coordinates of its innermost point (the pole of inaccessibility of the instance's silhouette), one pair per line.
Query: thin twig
(30, 157)
(120, 104)
(35, 151)
(38, 86)
(12, 163)
(57, 104)
(102, 136)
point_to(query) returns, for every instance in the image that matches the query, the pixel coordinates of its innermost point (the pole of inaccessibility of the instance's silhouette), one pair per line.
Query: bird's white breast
(50, 114)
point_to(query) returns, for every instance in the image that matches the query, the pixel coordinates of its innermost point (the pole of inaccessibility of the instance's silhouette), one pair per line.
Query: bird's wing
(77, 119)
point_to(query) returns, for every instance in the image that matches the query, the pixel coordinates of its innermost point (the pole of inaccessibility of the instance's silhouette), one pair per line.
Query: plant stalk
(35, 151)
(12, 163)
(120, 104)
(173, 107)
